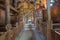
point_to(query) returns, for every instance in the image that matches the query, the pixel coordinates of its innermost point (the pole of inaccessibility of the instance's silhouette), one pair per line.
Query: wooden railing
(13, 33)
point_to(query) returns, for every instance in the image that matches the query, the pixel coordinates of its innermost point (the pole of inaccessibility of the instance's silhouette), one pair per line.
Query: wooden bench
(55, 34)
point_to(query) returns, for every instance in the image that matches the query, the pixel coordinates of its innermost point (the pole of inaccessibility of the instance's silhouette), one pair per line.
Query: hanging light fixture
(25, 5)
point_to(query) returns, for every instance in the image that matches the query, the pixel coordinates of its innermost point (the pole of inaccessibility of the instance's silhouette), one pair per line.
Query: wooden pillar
(7, 5)
(49, 21)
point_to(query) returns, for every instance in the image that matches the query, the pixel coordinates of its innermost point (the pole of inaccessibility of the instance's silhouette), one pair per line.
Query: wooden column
(7, 5)
(49, 21)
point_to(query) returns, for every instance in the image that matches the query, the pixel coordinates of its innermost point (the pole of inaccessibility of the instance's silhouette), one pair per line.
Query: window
(52, 2)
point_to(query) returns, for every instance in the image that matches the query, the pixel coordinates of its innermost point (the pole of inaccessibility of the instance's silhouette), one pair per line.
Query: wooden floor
(30, 35)
(24, 35)
(38, 35)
